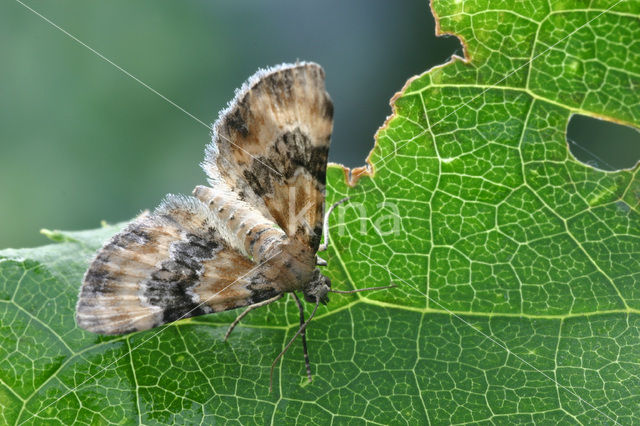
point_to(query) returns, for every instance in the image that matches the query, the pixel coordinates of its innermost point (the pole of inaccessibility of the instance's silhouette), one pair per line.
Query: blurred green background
(81, 142)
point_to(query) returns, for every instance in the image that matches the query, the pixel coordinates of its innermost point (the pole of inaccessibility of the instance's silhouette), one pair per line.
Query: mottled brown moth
(247, 238)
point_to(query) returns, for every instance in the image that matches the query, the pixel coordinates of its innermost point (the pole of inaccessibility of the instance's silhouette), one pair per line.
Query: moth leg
(286, 348)
(249, 309)
(304, 336)
(320, 261)
(325, 224)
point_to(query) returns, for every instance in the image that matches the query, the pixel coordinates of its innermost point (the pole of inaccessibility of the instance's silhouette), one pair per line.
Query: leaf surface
(518, 267)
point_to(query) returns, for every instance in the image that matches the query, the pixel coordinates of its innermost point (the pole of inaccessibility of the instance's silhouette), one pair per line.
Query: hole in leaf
(602, 144)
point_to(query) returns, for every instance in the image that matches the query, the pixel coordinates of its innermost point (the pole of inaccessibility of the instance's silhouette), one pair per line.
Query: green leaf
(518, 267)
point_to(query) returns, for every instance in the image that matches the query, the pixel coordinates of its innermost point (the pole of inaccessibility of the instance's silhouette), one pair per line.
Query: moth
(248, 238)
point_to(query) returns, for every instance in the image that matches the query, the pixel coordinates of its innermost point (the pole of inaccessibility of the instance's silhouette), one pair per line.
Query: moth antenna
(358, 290)
(286, 348)
(325, 224)
(304, 337)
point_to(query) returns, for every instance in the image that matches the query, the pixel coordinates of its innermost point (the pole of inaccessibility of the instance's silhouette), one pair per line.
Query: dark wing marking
(271, 145)
(167, 266)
